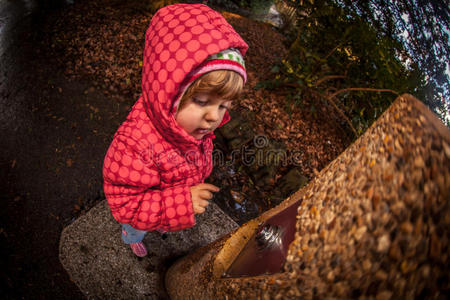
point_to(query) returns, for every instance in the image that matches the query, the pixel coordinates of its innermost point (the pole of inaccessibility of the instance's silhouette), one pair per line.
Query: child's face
(202, 114)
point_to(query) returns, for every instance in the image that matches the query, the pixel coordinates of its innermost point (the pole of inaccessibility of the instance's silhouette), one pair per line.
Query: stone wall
(373, 224)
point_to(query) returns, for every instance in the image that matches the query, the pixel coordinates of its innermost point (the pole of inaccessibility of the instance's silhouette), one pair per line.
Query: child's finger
(205, 194)
(209, 187)
(203, 203)
(199, 210)
(199, 206)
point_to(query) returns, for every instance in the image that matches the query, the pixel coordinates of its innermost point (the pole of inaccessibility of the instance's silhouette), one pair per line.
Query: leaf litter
(104, 43)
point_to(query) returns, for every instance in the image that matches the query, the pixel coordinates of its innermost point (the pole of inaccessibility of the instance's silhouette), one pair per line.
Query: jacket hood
(179, 39)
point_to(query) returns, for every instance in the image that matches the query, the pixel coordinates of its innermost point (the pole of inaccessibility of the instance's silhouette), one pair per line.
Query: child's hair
(223, 83)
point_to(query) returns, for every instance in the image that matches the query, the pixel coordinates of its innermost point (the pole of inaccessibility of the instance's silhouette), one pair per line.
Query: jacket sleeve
(132, 189)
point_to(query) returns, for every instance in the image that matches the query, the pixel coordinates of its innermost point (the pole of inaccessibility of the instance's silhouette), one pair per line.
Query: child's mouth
(202, 131)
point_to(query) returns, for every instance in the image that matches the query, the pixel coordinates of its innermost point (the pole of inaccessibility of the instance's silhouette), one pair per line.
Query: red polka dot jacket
(152, 162)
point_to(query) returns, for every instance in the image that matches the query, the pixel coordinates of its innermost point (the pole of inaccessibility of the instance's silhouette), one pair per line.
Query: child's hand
(201, 193)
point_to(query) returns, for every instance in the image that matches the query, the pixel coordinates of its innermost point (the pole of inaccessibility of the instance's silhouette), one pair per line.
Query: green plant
(339, 58)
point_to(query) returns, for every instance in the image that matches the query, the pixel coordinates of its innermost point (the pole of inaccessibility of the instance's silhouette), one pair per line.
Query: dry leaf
(69, 162)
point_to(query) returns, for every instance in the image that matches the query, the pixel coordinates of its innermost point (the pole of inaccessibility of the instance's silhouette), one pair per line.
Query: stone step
(102, 266)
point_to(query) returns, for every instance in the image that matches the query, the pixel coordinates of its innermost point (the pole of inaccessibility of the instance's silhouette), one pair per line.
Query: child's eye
(199, 102)
(226, 105)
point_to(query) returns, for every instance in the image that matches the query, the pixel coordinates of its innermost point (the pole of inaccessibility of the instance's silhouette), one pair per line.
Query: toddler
(155, 167)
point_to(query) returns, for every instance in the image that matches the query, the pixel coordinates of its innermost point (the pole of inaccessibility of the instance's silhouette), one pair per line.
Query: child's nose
(212, 115)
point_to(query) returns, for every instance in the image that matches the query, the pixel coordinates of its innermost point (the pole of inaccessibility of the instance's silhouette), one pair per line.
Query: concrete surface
(102, 266)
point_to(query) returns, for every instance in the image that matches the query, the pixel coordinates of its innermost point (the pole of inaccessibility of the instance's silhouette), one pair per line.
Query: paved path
(54, 135)
(103, 267)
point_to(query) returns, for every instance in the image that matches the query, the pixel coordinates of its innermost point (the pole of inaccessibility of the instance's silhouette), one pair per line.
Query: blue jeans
(131, 235)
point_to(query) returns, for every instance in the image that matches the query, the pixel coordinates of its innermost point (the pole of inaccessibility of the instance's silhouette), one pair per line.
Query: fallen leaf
(69, 162)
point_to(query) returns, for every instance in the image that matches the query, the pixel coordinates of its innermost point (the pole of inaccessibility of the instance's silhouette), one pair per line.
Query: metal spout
(270, 236)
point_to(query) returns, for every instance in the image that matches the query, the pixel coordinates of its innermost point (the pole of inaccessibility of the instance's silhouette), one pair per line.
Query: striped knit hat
(229, 59)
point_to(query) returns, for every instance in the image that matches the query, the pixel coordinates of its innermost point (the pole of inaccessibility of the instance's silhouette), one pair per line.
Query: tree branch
(316, 68)
(330, 100)
(330, 77)
(363, 90)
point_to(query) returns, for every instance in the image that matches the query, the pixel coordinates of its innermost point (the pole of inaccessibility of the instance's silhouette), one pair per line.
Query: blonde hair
(225, 84)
